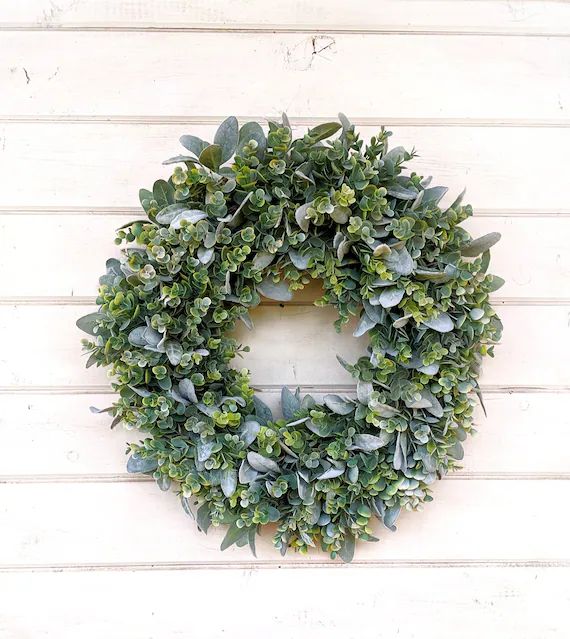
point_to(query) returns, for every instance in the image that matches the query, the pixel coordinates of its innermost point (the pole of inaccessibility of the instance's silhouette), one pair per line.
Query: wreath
(261, 215)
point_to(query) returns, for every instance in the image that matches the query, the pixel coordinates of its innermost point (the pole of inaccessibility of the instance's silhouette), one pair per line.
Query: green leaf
(495, 284)
(137, 464)
(323, 131)
(290, 403)
(368, 443)
(179, 158)
(193, 144)
(346, 552)
(261, 463)
(401, 192)
(163, 193)
(211, 157)
(203, 520)
(227, 138)
(145, 196)
(88, 323)
(262, 411)
(252, 131)
(275, 291)
(442, 323)
(481, 244)
(233, 535)
(338, 405)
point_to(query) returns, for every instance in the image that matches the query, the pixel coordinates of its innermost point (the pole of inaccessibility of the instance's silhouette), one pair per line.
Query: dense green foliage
(262, 215)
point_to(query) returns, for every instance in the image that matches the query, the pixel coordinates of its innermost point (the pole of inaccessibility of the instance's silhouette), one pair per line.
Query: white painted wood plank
(140, 74)
(533, 255)
(438, 15)
(291, 345)
(104, 165)
(124, 522)
(525, 603)
(61, 437)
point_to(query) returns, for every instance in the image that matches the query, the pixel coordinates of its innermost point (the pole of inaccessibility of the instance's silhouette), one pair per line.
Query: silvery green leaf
(400, 452)
(442, 323)
(345, 122)
(476, 314)
(186, 507)
(229, 482)
(273, 291)
(314, 511)
(191, 216)
(248, 432)
(481, 244)
(369, 443)
(402, 193)
(374, 313)
(456, 451)
(168, 213)
(340, 214)
(210, 240)
(227, 138)
(263, 259)
(179, 158)
(323, 131)
(395, 155)
(391, 296)
(383, 410)
(262, 411)
(401, 321)
(343, 249)
(431, 369)
(203, 520)
(261, 463)
(246, 319)
(252, 531)
(381, 250)
(353, 473)
(193, 144)
(163, 193)
(174, 351)
(346, 551)
(364, 325)
(290, 403)
(233, 535)
(363, 391)
(334, 471)
(88, 323)
(246, 473)
(205, 255)
(252, 131)
(390, 516)
(164, 482)
(98, 411)
(418, 402)
(211, 157)
(299, 261)
(306, 491)
(178, 397)
(240, 401)
(400, 261)
(318, 430)
(496, 283)
(457, 201)
(151, 336)
(308, 402)
(204, 449)
(298, 421)
(137, 464)
(187, 390)
(338, 405)
(303, 176)
(435, 408)
(417, 201)
(434, 194)
(300, 216)
(338, 238)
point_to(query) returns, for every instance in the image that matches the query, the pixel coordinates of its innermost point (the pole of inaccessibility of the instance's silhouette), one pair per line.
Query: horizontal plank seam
(396, 30)
(299, 121)
(136, 210)
(114, 478)
(285, 565)
(78, 300)
(100, 389)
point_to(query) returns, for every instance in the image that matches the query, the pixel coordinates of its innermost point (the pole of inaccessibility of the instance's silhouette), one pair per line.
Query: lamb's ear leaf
(275, 291)
(290, 403)
(480, 245)
(496, 283)
(323, 131)
(193, 144)
(227, 138)
(211, 157)
(346, 552)
(233, 535)
(88, 323)
(262, 411)
(203, 517)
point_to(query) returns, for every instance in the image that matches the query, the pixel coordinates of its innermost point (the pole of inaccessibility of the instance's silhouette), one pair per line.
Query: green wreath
(256, 215)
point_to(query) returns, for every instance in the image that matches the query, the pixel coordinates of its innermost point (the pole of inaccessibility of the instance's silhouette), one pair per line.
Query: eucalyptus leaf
(88, 323)
(137, 464)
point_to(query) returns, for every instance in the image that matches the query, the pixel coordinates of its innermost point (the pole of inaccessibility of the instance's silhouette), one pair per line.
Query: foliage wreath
(284, 212)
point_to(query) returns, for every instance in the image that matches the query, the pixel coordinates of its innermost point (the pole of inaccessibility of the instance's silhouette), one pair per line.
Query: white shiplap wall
(94, 94)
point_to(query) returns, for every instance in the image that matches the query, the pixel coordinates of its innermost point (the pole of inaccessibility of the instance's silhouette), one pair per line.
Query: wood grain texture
(94, 523)
(104, 165)
(494, 602)
(62, 438)
(437, 16)
(87, 241)
(141, 74)
(291, 345)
